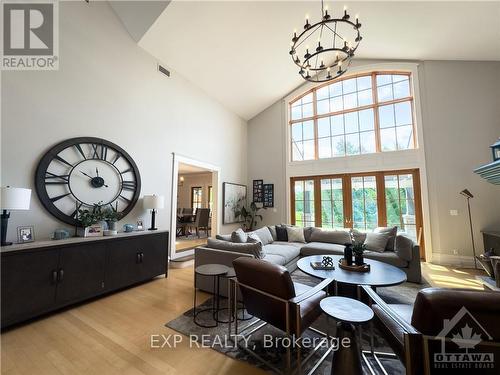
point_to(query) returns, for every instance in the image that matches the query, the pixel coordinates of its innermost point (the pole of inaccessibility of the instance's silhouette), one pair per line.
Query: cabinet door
(28, 284)
(123, 262)
(154, 256)
(81, 272)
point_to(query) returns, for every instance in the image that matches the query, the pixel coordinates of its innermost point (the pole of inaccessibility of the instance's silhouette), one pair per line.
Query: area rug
(267, 343)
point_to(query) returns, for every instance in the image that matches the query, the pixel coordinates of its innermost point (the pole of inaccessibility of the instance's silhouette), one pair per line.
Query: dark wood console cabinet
(39, 279)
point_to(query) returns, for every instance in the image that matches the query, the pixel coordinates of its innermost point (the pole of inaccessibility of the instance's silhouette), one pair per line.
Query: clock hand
(96, 172)
(86, 175)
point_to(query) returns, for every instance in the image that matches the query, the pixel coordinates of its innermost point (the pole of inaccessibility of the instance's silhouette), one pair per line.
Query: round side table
(348, 313)
(215, 271)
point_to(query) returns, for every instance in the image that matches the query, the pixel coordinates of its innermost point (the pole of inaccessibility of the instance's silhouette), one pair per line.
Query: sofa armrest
(405, 247)
(205, 255)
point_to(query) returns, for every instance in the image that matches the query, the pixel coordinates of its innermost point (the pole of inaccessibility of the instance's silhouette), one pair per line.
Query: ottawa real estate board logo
(30, 35)
(464, 333)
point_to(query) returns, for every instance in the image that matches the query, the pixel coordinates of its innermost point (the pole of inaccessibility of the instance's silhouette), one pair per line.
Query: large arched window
(359, 114)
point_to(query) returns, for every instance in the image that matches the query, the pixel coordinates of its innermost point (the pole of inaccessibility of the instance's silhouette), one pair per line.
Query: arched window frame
(374, 106)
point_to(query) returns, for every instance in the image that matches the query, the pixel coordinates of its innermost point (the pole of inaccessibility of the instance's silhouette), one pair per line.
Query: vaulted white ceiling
(237, 52)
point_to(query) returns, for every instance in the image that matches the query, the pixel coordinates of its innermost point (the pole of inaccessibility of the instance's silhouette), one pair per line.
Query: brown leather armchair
(269, 294)
(417, 333)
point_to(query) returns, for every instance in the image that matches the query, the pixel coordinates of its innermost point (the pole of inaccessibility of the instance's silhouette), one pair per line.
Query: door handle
(54, 277)
(142, 257)
(61, 275)
(138, 258)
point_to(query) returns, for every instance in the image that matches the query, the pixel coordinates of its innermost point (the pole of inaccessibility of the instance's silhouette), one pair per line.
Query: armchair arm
(375, 298)
(311, 292)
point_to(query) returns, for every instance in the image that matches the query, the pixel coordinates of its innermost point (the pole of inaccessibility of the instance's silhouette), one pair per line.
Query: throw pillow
(223, 237)
(391, 232)
(254, 238)
(359, 237)
(239, 236)
(295, 234)
(265, 235)
(281, 233)
(376, 242)
(272, 229)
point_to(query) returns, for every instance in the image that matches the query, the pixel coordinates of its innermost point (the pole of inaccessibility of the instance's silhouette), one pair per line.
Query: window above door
(355, 115)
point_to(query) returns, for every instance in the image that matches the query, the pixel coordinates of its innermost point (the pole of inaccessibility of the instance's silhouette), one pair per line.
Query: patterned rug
(267, 342)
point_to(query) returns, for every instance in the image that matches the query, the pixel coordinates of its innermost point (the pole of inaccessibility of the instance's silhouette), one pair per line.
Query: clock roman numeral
(79, 148)
(128, 185)
(59, 179)
(55, 199)
(75, 212)
(118, 156)
(125, 199)
(99, 151)
(126, 170)
(57, 157)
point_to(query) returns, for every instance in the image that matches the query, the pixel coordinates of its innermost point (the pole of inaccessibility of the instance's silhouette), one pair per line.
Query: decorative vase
(112, 224)
(128, 228)
(348, 254)
(103, 224)
(359, 260)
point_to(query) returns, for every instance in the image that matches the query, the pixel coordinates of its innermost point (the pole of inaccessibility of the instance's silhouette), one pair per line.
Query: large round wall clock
(81, 172)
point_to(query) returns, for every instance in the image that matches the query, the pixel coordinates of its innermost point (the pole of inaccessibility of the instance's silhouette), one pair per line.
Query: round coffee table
(215, 271)
(348, 313)
(380, 274)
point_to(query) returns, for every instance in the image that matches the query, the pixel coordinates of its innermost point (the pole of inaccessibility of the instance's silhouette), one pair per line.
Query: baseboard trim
(452, 260)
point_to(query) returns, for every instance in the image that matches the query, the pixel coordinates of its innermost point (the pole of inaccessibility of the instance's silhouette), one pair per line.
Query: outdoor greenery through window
(362, 201)
(362, 114)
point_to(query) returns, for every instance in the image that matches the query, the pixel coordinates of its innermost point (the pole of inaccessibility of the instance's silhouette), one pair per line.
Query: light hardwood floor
(112, 335)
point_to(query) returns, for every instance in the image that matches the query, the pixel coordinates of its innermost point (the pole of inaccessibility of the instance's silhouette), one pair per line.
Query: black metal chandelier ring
(321, 60)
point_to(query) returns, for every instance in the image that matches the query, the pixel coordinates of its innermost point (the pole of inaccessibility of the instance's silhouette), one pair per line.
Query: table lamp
(12, 199)
(153, 203)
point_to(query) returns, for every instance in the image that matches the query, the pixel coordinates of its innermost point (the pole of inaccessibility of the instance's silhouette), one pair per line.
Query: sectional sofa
(402, 253)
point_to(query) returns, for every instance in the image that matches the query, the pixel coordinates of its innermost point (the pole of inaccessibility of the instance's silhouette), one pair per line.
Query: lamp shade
(153, 202)
(15, 198)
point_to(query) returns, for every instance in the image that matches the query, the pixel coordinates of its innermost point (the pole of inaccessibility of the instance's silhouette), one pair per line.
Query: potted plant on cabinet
(90, 222)
(112, 216)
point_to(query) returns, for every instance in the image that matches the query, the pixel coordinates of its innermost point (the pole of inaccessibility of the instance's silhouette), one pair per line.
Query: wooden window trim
(347, 198)
(374, 106)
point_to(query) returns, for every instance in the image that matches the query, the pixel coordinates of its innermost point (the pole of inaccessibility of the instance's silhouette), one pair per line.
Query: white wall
(203, 180)
(460, 119)
(109, 87)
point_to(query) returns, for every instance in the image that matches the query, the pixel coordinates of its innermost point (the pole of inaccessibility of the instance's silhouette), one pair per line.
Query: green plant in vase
(358, 249)
(112, 216)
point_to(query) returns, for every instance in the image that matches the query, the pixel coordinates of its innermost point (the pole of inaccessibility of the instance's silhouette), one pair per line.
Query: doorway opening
(194, 205)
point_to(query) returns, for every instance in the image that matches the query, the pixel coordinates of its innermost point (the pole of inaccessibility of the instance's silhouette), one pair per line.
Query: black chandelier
(324, 50)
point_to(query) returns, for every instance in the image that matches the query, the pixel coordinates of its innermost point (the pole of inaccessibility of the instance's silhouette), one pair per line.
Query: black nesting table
(348, 313)
(216, 271)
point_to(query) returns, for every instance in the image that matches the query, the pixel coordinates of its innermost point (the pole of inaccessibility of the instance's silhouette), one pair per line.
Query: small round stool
(215, 271)
(348, 313)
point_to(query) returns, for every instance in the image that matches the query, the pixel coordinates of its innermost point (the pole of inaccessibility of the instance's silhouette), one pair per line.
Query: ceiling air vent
(163, 70)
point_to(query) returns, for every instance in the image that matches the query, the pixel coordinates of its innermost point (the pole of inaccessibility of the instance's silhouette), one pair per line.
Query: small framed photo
(140, 225)
(25, 234)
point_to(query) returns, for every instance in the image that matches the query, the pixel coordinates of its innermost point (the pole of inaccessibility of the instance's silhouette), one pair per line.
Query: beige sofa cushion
(239, 236)
(295, 234)
(391, 232)
(376, 242)
(339, 237)
(264, 234)
(320, 248)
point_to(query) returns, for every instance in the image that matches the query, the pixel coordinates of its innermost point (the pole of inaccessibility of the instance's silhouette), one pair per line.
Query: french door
(362, 201)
